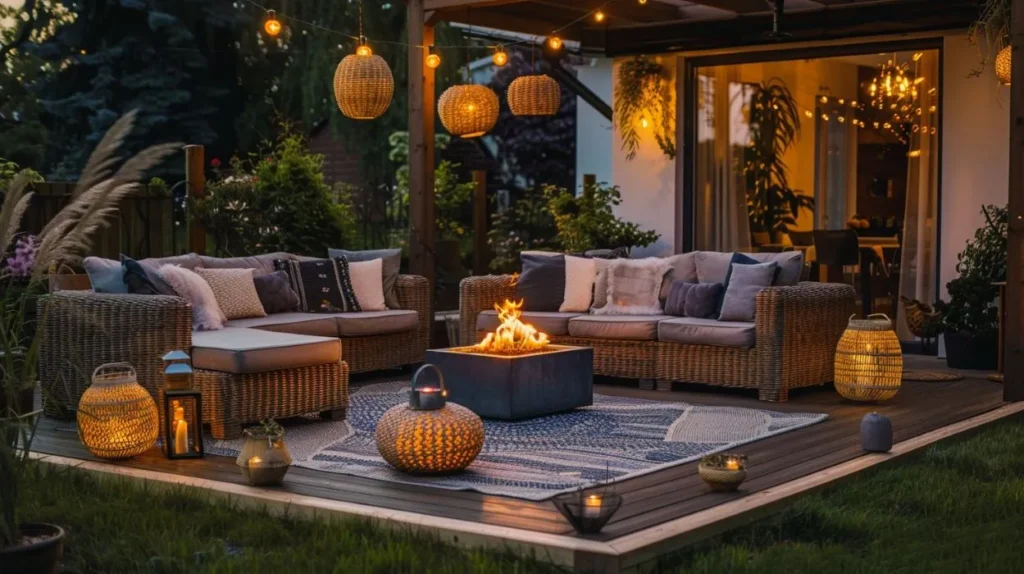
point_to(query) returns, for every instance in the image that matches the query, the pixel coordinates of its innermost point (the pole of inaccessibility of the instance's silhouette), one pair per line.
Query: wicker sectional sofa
(790, 344)
(280, 365)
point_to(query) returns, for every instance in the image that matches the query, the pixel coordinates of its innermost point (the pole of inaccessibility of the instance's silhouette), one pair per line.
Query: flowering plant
(23, 262)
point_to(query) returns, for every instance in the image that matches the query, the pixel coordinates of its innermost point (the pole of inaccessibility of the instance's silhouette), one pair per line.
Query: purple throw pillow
(702, 300)
(675, 303)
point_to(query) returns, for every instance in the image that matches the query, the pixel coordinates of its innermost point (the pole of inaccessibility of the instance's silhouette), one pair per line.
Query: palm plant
(107, 178)
(774, 126)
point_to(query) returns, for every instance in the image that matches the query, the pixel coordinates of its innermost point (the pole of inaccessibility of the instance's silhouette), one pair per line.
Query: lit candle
(732, 464)
(180, 431)
(255, 462)
(592, 506)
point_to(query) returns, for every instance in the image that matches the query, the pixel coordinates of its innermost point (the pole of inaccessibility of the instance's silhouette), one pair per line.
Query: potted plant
(723, 472)
(264, 458)
(971, 317)
(24, 546)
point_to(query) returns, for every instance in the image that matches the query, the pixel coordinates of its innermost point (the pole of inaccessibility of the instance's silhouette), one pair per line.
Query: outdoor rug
(535, 459)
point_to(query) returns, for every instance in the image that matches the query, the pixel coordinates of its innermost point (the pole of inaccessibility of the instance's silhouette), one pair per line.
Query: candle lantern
(723, 472)
(876, 433)
(869, 360)
(588, 511)
(264, 458)
(429, 435)
(177, 371)
(182, 429)
(117, 418)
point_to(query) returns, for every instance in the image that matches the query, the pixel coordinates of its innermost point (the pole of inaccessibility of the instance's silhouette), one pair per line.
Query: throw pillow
(600, 284)
(106, 275)
(702, 300)
(323, 285)
(740, 300)
(368, 284)
(684, 268)
(143, 277)
(275, 294)
(206, 314)
(136, 278)
(580, 273)
(541, 285)
(675, 303)
(235, 292)
(617, 253)
(634, 286)
(391, 267)
(263, 264)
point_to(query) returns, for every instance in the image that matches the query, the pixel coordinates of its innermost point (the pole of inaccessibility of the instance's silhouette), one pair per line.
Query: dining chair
(838, 249)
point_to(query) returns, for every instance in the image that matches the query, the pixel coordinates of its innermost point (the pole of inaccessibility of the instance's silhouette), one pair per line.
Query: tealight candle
(255, 462)
(732, 464)
(592, 506)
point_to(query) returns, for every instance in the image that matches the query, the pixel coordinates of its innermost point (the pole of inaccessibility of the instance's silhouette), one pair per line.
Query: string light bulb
(272, 26)
(554, 42)
(644, 123)
(364, 48)
(641, 2)
(433, 59)
(500, 58)
(599, 16)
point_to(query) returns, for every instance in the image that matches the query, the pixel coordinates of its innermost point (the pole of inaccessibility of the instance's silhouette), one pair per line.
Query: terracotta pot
(39, 557)
(970, 352)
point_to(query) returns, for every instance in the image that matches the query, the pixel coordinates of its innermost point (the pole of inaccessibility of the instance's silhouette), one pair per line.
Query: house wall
(594, 131)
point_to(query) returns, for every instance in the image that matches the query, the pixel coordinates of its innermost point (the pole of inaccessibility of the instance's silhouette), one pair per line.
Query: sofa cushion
(105, 275)
(263, 264)
(551, 322)
(376, 322)
(392, 263)
(234, 350)
(541, 285)
(235, 291)
(334, 324)
(634, 286)
(634, 327)
(316, 324)
(323, 285)
(692, 331)
(275, 293)
(745, 281)
(713, 266)
(702, 300)
(684, 268)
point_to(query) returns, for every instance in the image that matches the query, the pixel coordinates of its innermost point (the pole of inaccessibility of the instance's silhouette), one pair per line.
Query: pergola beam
(1013, 381)
(421, 146)
(446, 4)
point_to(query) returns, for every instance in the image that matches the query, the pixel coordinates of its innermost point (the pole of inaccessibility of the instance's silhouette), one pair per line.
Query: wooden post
(195, 183)
(589, 180)
(421, 146)
(479, 222)
(1013, 386)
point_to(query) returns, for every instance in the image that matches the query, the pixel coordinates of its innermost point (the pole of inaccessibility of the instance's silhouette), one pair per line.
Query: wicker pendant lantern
(468, 110)
(869, 361)
(363, 84)
(535, 95)
(117, 418)
(1004, 60)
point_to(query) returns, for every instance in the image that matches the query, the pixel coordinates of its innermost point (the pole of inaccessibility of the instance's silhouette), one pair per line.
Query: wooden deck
(649, 500)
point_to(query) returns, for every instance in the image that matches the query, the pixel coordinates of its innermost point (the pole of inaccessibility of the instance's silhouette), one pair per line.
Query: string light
(554, 42)
(599, 16)
(644, 123)
(364, 48)
(500, 58)
(433, 59)
(272, 26)
(641, 2)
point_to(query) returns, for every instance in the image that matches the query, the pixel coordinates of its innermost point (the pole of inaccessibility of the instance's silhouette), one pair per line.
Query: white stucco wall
(594, 131)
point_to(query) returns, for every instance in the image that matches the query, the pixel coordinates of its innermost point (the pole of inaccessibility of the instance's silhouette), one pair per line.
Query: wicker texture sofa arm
(83, 330)
(414, 294)
(797, 330)
(480, 293)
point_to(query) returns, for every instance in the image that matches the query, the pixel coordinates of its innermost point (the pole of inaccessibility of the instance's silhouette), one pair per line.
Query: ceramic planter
(971, 352)
(40, 556)
(263, 460)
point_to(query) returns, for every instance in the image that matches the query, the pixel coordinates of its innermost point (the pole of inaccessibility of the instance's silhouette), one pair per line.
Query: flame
(512, 336)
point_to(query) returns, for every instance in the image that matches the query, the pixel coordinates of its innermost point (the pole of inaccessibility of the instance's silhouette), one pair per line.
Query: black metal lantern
(182, 431)
(588, 511)
(427, 397)
(177, 371)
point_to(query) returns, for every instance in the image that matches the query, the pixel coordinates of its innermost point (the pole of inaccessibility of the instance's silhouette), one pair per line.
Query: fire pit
(515, 372)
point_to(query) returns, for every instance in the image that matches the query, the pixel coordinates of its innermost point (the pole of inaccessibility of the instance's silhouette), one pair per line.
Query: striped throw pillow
(323, 285)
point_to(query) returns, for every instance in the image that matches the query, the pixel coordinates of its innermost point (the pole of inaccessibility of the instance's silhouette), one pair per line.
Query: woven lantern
(363, 85)
(117, 418)
(1004, 60)
(429, 435)
(869, 361)
(468, 110)
(534, 96)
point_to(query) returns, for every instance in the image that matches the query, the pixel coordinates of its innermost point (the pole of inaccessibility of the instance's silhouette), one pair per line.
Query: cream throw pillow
(206, 314)
(235, 292)
(368, 284)
(634, 286)
(580, 273)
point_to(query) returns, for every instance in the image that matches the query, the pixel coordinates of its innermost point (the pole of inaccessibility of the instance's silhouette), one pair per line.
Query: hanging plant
(643, 98)
(990, 33)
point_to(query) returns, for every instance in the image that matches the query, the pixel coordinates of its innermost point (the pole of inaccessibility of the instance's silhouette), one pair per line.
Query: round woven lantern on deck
(534, 96)
(869, 361)
(468, 110)
(363, 86)
(1004, 61)
(117, 418)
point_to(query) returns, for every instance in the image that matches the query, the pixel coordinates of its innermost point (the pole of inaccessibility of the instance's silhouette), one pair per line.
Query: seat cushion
(376, 322)
(635, 327)
(235, 350)
(692, 331)
(551, 322)
(316, 324)
(334, 324)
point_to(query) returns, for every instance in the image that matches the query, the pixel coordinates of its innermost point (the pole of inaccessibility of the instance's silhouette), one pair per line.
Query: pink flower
(215, 163)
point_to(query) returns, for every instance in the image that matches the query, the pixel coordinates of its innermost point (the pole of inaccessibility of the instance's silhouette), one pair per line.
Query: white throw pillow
(368, 283)
(634, 286)
(580, 273)
(206, 314)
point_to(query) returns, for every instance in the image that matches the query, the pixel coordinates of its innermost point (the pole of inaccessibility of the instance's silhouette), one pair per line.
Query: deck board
(650, 499)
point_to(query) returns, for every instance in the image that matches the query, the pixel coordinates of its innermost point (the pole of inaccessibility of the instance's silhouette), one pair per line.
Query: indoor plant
(105, 180)
(971, 317)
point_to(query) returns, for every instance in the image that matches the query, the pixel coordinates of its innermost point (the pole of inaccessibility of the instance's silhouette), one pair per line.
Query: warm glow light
(433, 61)
(512, 335)
(809, 113)
(641, 2)
(599, 16)
(500, 58)
(272, 26)
(732, 464)
(555, 42)
(364, 50)
(644, 123)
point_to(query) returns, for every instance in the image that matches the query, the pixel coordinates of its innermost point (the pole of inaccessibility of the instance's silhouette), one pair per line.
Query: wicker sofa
(790, 344)
(280, 365)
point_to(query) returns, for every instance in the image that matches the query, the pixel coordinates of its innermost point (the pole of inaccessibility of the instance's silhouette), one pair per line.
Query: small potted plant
(264, 459)
(723, 472)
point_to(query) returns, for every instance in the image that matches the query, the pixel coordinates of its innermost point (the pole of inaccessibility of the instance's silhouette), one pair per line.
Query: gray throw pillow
(138, 278)
(275, 293)
(541, 285)
(745, 281)
(106, 275)
(390, 267)
(702, 300)
(675, 303)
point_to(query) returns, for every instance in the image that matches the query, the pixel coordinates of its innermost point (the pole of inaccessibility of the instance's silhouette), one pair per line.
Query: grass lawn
(955, 507)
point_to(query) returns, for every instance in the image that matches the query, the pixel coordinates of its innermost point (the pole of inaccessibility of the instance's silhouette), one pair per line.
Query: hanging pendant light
(363, 84)
(468, 110)
(1004, 61)
(534, 95)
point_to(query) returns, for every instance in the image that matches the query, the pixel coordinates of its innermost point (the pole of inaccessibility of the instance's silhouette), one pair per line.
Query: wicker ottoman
(247, 375)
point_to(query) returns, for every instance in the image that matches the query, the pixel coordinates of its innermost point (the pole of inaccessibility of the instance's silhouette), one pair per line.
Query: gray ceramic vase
(876, 433)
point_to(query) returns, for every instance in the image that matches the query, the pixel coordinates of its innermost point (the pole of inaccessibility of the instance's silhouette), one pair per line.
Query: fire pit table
(516, 373)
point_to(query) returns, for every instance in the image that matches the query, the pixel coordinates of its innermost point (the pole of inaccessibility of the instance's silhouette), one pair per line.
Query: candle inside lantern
(732, 464)
(255, 462)
(180, 430)
(592, 506)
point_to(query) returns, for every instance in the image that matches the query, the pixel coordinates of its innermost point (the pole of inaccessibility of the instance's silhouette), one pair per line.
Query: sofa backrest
(712, 266)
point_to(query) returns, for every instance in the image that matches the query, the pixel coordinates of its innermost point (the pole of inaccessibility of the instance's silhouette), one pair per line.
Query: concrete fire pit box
(552, 380)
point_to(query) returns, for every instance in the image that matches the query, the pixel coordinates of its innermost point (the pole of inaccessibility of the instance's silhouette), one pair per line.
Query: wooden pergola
(660, 26)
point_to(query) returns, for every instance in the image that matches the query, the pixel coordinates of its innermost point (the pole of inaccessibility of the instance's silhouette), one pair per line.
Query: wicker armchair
(797, 330)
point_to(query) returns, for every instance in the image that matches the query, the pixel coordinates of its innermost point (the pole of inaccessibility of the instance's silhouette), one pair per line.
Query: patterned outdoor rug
(538, 458)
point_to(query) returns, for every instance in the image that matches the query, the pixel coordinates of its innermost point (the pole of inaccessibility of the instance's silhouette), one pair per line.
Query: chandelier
(894, 90)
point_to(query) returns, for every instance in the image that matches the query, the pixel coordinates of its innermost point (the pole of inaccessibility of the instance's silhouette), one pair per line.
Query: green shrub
(971, 308)
(526, 224)
(451, 196)
(588, 221)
